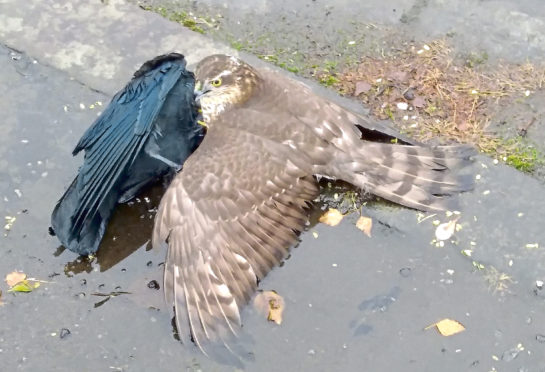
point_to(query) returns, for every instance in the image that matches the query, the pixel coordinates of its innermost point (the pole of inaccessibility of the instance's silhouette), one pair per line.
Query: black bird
(146, 132)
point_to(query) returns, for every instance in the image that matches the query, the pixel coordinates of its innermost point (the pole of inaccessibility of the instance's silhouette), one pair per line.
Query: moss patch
(522, 155)
(197, 24)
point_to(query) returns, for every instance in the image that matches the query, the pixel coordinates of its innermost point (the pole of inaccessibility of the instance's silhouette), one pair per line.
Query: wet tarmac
(353, 303)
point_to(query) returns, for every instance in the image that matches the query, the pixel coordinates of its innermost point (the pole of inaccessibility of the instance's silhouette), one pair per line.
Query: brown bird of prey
(239, 203)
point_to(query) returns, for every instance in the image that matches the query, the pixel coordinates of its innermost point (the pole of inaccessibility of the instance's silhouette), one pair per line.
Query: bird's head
(223, 82)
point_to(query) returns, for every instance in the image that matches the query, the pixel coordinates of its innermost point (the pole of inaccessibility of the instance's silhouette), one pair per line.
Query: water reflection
(129, 230)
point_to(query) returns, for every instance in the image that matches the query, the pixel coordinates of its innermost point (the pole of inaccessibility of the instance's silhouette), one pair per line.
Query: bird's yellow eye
(216, 82)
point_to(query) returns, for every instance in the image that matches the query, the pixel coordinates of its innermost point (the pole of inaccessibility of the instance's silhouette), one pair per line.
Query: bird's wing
(229, 217)
(115, 139)
(306, 104)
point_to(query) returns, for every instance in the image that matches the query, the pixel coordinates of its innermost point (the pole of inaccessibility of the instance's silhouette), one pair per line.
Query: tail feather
(417, 177)
(85, 239)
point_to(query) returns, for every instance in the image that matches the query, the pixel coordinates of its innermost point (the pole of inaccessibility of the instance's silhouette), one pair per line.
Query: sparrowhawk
(148, 130)
(232, 213)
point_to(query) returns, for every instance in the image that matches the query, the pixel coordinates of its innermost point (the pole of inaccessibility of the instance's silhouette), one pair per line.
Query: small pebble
(64, 333)
(153, 284)
(402, 106)
(409, 94)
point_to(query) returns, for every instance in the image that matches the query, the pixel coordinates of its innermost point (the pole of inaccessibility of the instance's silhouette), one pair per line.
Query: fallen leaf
(462, 126)
(445, 230)
(448, 327)
(400, 76)
(24, 286)
(361, 87)
(418, 102)
(15, 277)
(332, 217)
(9, 224)
(271, 305)
(365, 224)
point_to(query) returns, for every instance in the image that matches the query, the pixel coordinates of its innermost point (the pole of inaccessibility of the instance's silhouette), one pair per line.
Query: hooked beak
(199, 91)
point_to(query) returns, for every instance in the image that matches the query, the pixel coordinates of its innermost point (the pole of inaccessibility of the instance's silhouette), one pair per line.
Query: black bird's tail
(86, 239)
(415, 176)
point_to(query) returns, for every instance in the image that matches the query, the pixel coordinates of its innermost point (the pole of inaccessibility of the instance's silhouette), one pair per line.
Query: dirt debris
(435, 97)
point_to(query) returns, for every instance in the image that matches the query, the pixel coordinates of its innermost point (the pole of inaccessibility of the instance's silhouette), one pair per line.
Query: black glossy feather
(147, 131)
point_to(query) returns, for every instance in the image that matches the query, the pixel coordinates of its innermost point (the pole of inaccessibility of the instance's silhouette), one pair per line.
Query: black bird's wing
(229, 217)
(118, 160)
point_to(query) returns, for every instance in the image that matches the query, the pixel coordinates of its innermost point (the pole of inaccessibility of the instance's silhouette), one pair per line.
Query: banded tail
(417, 177)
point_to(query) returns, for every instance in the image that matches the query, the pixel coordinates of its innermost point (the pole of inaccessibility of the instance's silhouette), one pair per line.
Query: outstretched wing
(309, 105)
(112, 143)
(229, 217)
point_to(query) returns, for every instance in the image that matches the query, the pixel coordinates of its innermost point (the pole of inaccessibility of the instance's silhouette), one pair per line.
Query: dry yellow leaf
(271, 305)
(448, 327)
(332, 217)
(15, 277)
(365, 224)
